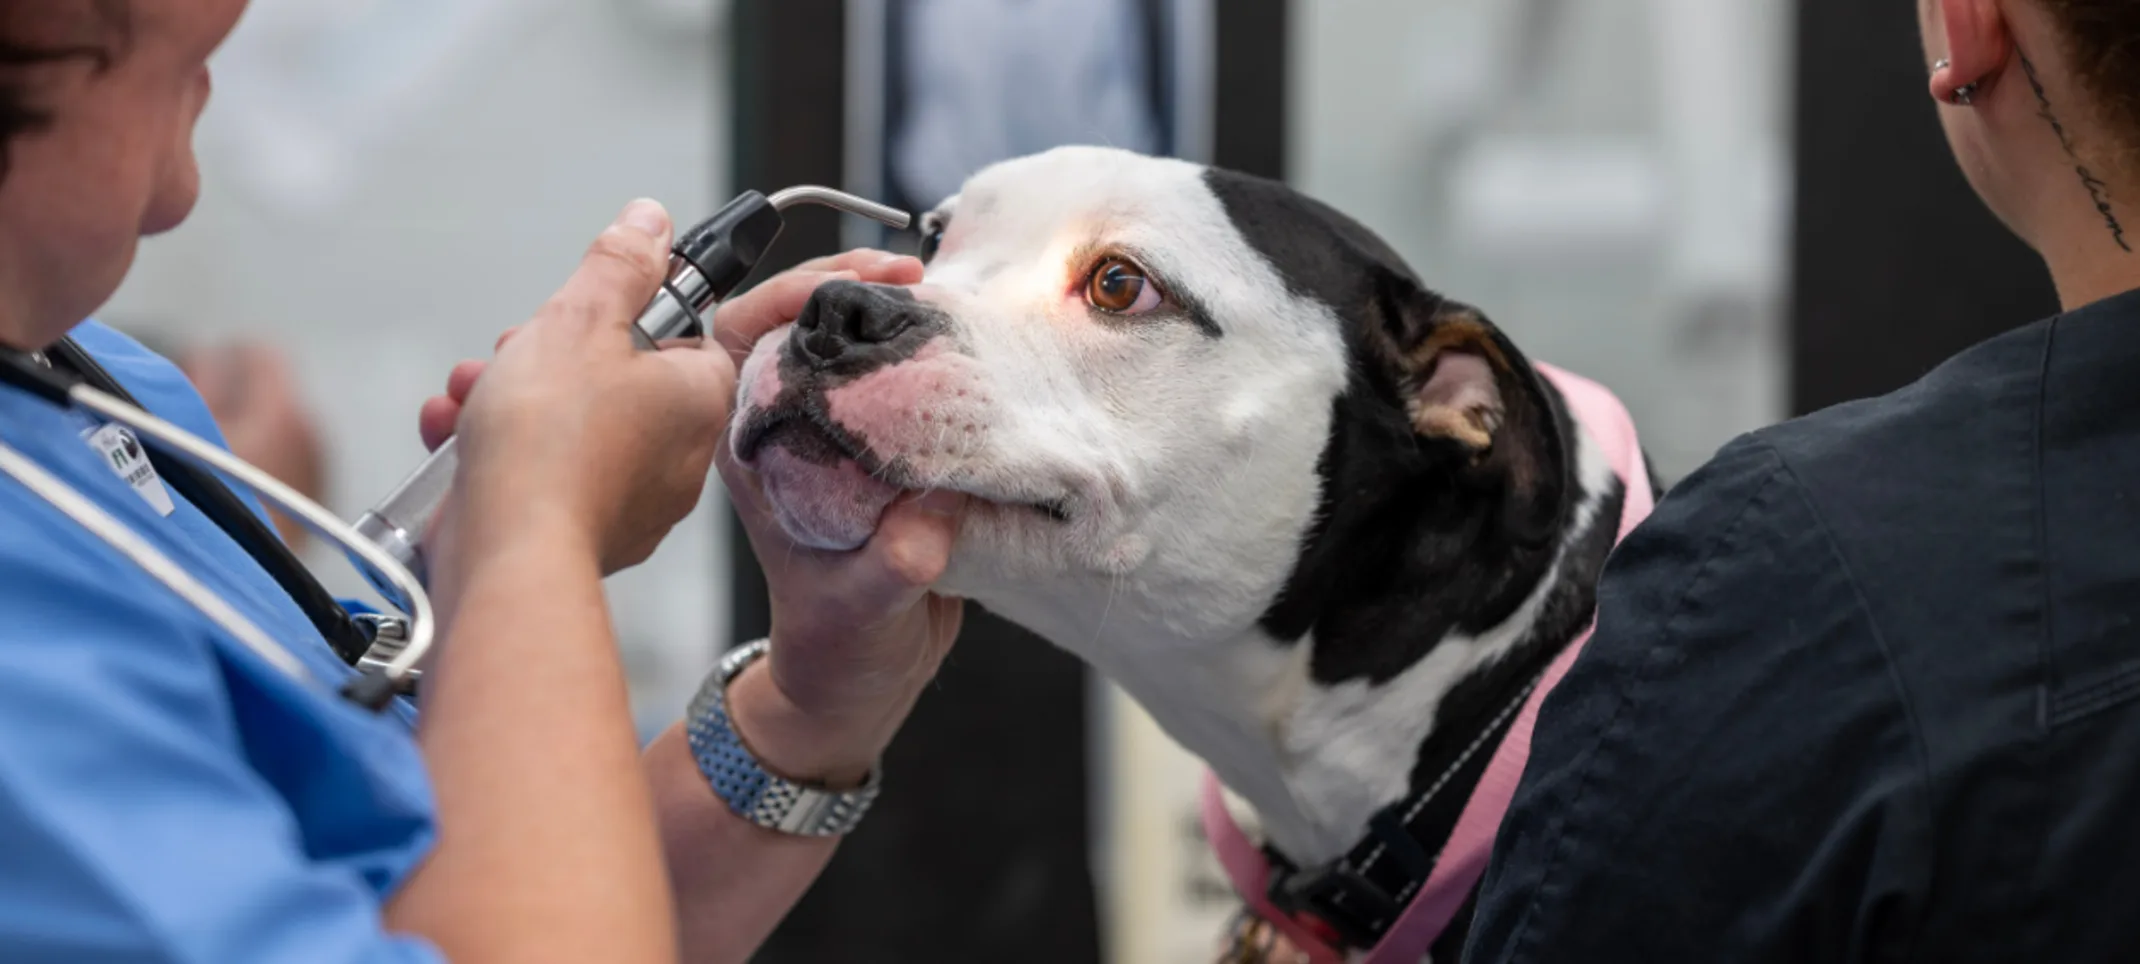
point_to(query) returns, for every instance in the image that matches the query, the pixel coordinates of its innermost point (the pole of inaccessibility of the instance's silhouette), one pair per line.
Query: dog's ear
(1463, 383)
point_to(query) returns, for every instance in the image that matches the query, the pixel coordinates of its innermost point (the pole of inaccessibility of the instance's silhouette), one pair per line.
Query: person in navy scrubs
(167, 795)
(1867, 687)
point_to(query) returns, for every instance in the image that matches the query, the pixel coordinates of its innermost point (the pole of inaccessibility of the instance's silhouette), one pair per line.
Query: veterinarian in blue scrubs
(168, 795)
(1867, 687)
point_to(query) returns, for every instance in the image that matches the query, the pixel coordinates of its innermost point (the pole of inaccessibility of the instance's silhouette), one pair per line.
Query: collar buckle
(1345, 901)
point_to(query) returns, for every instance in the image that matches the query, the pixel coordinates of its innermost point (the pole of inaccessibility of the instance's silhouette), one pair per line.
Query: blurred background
(1718, 208)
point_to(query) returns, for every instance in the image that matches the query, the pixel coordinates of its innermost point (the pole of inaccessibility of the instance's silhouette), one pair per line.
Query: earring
(1964, 95)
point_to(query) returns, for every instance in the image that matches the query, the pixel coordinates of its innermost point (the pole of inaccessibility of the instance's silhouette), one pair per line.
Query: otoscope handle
(706, 264)
(399, 522)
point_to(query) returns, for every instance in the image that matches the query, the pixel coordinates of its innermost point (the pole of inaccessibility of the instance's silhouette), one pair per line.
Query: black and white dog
(1321, 522)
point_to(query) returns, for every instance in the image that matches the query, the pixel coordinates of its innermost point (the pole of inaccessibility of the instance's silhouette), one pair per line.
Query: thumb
(912, 546)
(622, 269)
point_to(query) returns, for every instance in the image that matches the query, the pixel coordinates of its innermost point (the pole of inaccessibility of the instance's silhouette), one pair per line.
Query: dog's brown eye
(1120, 287)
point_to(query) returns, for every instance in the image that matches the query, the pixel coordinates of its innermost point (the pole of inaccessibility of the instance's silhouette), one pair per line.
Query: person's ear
(1979, 43)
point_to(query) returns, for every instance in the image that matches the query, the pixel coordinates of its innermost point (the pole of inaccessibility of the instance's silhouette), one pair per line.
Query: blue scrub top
(165, 794)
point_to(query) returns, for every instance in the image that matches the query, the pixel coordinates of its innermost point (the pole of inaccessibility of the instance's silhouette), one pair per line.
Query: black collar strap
(1359, 896)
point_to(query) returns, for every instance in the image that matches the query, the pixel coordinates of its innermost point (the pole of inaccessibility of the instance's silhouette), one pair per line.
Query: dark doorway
(979, 849)
(1897, 264)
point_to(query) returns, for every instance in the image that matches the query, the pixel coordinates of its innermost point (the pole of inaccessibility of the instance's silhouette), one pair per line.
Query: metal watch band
(749, 789)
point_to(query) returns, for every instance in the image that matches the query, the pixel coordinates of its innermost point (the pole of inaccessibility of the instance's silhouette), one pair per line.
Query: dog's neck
(1315, 759)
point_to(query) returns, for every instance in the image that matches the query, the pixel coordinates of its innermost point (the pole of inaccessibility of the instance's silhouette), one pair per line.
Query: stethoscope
(707, 263)
(68, 377)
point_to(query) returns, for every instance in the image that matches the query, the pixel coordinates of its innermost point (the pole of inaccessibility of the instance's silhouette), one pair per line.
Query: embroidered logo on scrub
(123, 452)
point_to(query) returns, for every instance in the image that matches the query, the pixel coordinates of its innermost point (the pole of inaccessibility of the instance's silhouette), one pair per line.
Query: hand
(253, 396)
(856, 635)
(570, 432)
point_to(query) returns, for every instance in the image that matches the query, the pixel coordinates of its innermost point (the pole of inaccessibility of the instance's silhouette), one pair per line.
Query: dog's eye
(1120, 287)
(930, 241)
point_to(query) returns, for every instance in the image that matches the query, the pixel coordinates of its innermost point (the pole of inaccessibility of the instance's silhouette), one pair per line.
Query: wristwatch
(740, 780)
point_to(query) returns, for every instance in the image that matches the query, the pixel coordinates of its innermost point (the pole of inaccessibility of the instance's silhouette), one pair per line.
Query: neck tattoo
(2098, 189)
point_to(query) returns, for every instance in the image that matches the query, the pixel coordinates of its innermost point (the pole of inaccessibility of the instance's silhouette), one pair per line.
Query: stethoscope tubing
(396, 672)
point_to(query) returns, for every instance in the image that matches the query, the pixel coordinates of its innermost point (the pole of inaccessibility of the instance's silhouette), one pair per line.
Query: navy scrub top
(1866, 688)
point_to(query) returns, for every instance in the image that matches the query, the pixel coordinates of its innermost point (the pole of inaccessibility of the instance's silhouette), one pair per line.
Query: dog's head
(1165, 383)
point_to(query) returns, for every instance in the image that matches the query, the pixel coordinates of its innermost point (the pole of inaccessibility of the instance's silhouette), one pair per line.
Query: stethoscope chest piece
(390, 638)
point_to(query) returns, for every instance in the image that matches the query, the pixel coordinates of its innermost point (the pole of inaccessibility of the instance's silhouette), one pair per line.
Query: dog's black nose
(854, 326)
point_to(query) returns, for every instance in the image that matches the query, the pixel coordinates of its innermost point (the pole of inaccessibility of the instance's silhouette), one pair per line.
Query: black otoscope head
(727, 246)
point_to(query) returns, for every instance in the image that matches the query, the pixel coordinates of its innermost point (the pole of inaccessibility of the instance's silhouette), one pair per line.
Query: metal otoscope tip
(840, 200)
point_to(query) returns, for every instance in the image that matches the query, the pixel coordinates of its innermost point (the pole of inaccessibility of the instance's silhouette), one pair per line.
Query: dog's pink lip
(893, 473)
(762, 425)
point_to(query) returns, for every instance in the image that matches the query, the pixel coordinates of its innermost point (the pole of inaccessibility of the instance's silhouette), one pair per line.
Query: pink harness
(1463, 859)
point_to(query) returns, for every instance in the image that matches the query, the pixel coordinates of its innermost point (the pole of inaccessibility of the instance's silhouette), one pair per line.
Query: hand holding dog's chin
(856, 637)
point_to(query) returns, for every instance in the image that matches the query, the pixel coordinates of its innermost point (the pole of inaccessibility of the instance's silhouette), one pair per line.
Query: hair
(2102, 41)
(20, 111)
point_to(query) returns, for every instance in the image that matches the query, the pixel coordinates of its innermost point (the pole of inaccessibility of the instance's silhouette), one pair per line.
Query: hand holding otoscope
(706, 263)
(705, 266)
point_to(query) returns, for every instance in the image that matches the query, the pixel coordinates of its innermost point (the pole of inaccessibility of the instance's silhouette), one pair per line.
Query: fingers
(912, 546)
(462, 379)
(739, 324)
(875, 267)
(896, 270)
(437, 420)
(868, 588)
(906, 556)
(440, 414)
(622, 269)
(709, 381)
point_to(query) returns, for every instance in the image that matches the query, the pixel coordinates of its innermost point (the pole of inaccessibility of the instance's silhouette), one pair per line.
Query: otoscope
(706, 264)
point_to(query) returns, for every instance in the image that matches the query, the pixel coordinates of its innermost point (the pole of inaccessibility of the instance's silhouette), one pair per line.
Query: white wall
(1620, 210)
(457, 158)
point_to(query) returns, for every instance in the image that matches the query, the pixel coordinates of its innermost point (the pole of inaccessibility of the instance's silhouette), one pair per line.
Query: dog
(1326, 525)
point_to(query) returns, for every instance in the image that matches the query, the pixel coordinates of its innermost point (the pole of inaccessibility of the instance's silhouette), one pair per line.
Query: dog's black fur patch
(1409, 544)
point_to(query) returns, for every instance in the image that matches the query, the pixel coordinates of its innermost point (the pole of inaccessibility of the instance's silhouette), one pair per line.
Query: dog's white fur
(1186, 464)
